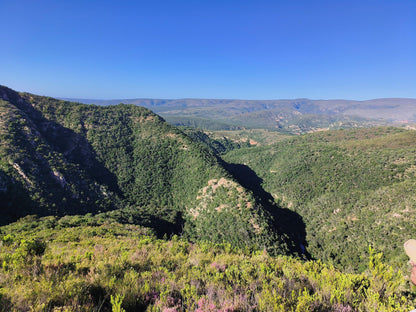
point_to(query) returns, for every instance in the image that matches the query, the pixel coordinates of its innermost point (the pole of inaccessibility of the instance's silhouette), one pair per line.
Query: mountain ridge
(125, 100)
(294, 116)
(71, 158)
(318, 185)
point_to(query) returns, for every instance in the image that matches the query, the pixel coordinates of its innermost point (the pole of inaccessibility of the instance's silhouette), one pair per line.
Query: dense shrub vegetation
(138, 215)
(85, 263)
(69, 158)
(218, 144)
(353, 188)
(201, 123)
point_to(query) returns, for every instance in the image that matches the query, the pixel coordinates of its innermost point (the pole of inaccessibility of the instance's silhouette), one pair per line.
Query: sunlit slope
(92, 263)
(68, 158)
(353, 188)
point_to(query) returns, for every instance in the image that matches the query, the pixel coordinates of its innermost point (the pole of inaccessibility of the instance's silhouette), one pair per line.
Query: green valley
(353, 188)
(112, 208)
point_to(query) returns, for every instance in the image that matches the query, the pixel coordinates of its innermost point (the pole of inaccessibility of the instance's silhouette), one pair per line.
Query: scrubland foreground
(88, 263)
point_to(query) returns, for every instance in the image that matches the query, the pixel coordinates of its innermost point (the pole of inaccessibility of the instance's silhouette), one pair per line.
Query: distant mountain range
(294, 116)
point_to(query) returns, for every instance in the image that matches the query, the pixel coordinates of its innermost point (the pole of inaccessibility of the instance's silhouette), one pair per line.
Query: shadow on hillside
(285, 221)
(16, 201)
(77, 151)
(163, 228)
(12, 195)
(165, 224)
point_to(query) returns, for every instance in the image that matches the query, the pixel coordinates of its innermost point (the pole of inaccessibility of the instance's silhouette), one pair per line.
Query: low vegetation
(86, 263)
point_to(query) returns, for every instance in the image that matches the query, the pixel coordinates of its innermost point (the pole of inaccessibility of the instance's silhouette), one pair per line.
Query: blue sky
(209, 49)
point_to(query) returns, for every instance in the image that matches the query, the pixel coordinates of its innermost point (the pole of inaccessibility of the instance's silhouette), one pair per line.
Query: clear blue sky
(209, 49)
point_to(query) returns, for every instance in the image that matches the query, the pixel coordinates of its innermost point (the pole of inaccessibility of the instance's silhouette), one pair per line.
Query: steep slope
(353, 189)
(38, 170)
(69, 158)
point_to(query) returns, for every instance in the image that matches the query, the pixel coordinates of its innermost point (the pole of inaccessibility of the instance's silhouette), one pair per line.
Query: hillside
(294, 116)
(95, 264)
(46, 168)
(224, 141)
(112, 181)
(60, 158)
(353, 189)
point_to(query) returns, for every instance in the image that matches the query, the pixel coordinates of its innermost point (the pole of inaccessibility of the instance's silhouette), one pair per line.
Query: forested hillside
(112, 181)
(353, 189)
(63, 158)
(223, 141)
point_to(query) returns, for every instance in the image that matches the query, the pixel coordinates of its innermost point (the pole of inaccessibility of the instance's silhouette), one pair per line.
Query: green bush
(176, 275)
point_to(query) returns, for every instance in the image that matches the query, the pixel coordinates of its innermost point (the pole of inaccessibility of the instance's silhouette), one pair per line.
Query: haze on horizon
(256, 50)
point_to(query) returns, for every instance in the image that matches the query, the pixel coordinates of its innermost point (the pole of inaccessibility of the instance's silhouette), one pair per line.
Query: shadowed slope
(76, 158)
(353, 188)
